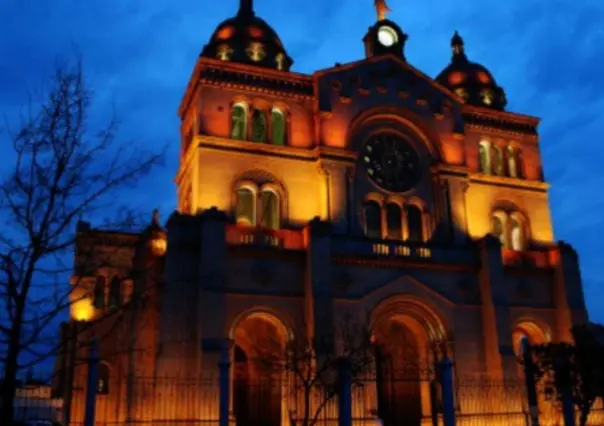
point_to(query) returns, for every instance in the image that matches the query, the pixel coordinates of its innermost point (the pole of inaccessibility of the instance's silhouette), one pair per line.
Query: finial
(155, 217)
(457, 45)
(382, 9)
(246, 7)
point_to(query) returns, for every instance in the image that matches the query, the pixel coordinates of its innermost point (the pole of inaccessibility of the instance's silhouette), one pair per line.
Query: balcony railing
(344, 246)
(528, 258)
(262, 237)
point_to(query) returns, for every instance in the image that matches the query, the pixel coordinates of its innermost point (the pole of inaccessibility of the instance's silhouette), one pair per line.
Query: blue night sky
(139, 54)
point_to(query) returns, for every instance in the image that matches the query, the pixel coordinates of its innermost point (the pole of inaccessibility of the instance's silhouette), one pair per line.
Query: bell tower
(385, 36)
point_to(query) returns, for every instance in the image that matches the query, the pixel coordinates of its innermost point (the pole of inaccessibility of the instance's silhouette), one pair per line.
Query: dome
(471, 81)
(247, 39)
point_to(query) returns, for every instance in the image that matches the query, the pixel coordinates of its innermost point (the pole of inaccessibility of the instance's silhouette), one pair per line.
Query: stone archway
(259, 348)
(406, 332)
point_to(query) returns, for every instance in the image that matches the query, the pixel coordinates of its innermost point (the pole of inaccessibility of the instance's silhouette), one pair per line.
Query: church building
(416, 204)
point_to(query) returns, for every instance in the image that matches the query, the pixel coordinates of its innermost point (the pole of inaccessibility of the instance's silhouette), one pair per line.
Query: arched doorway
(407, 334)
(257, 374)
(398, 375)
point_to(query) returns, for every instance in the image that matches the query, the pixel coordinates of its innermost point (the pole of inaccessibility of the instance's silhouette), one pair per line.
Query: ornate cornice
(510, 123)
(221, 74)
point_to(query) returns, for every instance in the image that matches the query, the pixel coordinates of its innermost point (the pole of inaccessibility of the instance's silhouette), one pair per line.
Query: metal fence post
(448, 399)
(529, 377)
(224, 366)
(344, 392)
(93, 366)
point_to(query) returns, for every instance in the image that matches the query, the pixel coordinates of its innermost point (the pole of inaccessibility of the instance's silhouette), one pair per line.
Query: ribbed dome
(247, 39)
(471, 81)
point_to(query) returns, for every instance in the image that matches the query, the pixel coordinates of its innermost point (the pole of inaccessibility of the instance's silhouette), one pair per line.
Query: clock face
(391, 162)
(387, 36)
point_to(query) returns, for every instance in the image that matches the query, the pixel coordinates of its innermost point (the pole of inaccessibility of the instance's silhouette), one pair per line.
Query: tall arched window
(414, 223)
(99, 293)
(239, 121)
(484, 154)
(245, 209)
(278, 127)
(516, 235)
(498, 161)
(269, 202)
(373, 219)
(115, 293)
(102, 383)
(512, 155)
(498, 229)
(394, 216)
(258, 126)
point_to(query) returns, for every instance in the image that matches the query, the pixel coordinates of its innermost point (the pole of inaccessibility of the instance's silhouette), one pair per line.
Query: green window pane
(258, 126)
(245, 208)
(270, 210)
(239, 123)
(278, 127)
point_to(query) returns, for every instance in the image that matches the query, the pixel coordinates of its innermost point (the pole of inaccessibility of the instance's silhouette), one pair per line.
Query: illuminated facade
(368, 187)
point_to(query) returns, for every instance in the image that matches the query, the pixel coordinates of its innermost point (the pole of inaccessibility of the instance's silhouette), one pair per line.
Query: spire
(457, 46)
(246, 8)
(382, 9)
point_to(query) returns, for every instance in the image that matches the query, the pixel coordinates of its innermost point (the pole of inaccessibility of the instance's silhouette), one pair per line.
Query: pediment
(382, 76)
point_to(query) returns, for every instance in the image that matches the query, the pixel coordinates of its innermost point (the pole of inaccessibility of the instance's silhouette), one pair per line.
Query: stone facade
(283, 226)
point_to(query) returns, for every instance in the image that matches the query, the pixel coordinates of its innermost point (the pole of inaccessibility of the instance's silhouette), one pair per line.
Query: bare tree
(311, 367)
(61, 172)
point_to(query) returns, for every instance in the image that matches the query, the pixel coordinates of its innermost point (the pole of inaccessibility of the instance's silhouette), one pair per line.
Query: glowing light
(225, 33)
(483, 77)
(224, 52)
(159, 245)
(387, 36)
(256, 51)
(82, 310)
(456, 77)
(255, 32)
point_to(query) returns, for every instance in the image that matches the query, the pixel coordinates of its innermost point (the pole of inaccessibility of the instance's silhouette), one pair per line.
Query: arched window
(99, 293)
(513, 169)
(516, 235)
(258, 126)
(394, 216)
(239, 121)
(414, 223)
(115, 293)
(269, 202)
(373, 219)
(278, 127)
(484, 153)
(498, 163)
(498, 229)
(245, 209)
(102, 383)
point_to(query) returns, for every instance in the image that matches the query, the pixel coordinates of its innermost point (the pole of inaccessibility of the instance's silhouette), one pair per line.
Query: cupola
(247, 39)
(471, 81)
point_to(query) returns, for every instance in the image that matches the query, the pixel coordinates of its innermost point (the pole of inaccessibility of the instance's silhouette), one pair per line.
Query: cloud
(139, 56)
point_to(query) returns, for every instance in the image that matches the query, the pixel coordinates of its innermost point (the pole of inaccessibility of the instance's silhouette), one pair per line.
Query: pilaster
(318, 292)
(568, 291)
(496, 322)
(178, 316)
